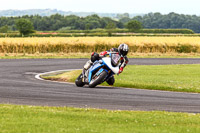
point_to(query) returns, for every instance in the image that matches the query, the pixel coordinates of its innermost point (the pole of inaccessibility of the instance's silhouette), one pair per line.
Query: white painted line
(39, 78)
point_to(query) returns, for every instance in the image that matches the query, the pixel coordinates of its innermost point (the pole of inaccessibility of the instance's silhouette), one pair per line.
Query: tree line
(57, 21)
(168, 21)
(72, 22)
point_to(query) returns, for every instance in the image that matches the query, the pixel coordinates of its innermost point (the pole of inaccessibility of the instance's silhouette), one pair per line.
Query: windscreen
(115, 58)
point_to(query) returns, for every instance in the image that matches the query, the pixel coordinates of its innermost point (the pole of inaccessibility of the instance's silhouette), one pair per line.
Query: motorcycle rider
(122, 50)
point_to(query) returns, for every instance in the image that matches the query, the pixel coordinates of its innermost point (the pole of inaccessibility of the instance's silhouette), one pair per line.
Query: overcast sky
(107, 6)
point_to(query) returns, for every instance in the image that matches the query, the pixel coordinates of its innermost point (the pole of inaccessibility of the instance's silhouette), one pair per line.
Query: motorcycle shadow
(103, 87)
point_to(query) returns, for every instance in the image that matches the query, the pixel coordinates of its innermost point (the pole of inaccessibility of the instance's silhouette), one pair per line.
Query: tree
(125, 15)
(124, 20)
(4, 29)
(24, 26)
(134, 25)
(110, 26)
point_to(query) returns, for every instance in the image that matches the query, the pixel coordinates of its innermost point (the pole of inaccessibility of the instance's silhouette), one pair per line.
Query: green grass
(44, 56)
(87, 55)
(67, 76)
(184, 78)
(181, 78)
(32, 119)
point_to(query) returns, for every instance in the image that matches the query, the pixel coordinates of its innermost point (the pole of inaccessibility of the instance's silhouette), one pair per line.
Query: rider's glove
(103, 53)
(120, 70)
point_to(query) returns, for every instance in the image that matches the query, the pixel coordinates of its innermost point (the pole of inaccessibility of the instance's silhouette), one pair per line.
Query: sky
(107, 6)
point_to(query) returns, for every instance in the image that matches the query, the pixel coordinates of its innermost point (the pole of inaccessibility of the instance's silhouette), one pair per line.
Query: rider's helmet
(123, 49)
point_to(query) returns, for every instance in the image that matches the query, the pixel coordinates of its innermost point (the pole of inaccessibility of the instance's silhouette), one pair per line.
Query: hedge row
(97, 34)
(175, 31)
(104, 32)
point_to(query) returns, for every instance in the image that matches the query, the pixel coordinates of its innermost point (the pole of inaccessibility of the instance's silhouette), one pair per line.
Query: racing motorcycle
(100, 71)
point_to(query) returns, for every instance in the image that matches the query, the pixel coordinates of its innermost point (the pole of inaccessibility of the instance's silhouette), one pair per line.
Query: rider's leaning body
(122, 50)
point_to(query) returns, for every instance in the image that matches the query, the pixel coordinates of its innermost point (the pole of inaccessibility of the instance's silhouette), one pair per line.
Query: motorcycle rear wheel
(98, 80)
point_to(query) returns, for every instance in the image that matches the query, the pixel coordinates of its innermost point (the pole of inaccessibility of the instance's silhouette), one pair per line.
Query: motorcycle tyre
(79, 82)
(101, 77)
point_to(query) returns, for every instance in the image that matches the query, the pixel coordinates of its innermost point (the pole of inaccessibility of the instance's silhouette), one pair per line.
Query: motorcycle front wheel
(79, 81)
(97, 80)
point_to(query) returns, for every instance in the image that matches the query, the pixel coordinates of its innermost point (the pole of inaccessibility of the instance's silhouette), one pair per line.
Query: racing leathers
(95, 56)
(124, 60)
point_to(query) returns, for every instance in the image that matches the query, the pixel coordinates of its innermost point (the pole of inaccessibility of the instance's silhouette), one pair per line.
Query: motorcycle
(100, 71)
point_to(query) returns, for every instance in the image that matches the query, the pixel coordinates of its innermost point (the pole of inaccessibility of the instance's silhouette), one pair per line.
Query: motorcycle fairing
(98, 64)
(107, 62)
(94, 68)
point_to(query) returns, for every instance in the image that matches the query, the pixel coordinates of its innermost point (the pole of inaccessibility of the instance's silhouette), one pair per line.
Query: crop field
(89, 44)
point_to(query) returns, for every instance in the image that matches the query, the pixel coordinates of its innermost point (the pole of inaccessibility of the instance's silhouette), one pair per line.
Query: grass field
(160, 45)
(31, 119)
(183, 78)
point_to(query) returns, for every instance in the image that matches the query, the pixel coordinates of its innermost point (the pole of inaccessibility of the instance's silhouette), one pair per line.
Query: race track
(19, 86)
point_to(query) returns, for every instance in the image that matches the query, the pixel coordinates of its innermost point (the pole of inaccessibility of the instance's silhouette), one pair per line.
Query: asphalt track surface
(18, 85)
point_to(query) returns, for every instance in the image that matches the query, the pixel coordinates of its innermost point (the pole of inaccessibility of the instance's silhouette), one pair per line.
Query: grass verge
(87, 55)
(181, 78)
(35, 119)
(44, 55)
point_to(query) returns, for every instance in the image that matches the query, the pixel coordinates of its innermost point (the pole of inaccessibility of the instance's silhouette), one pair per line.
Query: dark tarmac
(18, 85)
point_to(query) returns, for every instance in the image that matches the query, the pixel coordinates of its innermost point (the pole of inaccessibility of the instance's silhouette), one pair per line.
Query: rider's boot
(88, 65)
(111, 80)
(85, 68)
